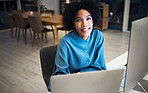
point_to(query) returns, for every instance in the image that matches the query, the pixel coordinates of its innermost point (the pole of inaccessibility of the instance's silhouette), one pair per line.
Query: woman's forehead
(82, 12)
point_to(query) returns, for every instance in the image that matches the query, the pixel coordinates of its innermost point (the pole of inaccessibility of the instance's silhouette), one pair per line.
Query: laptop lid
(106, 81)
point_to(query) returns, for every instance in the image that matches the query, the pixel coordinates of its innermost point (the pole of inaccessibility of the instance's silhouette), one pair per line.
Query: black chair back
(47, 58)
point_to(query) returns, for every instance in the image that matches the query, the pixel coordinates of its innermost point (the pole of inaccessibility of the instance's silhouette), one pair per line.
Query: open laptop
(106, 81)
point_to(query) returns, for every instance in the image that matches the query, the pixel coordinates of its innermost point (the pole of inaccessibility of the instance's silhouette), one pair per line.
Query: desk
(54, 20)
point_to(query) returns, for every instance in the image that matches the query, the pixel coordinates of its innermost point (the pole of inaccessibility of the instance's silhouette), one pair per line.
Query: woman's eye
(78, 20)
(88, 18)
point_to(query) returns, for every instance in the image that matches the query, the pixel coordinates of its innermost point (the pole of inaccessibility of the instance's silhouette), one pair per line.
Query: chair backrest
(35, 23)
(47, 58)
(17, 11)
(19, 20)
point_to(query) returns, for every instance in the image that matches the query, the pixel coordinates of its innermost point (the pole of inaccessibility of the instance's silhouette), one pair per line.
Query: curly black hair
(72, 9)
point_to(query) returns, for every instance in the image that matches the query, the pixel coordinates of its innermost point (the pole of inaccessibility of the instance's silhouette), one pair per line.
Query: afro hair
(72, 9)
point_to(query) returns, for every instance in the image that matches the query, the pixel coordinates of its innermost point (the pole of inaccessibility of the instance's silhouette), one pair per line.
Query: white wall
(18, 4)
(126, 16)
(51, 4)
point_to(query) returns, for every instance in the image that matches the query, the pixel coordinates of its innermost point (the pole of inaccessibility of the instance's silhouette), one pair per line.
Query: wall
(51, 4)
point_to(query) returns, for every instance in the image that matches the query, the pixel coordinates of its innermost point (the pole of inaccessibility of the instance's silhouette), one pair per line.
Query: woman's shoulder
(97, 33)
(67, 38)
(97, 36)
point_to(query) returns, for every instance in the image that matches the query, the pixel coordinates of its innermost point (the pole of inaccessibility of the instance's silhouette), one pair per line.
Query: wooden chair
(21, 23)
(62, 29)
(15, 12)
(38, 28)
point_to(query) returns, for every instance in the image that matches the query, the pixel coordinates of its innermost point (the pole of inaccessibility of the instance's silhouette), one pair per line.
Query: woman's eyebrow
(88, 16)
(77, 17)
(80, 17)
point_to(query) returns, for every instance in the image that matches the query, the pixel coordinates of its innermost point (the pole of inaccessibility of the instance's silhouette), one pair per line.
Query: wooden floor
(20, 70)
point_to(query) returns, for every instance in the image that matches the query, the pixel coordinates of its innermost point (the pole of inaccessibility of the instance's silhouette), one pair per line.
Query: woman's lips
(85, 30)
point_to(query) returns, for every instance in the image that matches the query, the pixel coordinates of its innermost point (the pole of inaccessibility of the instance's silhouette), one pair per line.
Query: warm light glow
(31, 13)
(67, 1)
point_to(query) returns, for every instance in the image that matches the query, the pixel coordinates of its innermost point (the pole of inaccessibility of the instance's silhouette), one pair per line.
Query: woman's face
(83, 23)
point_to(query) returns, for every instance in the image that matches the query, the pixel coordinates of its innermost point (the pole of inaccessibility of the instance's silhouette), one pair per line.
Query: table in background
(53, 20)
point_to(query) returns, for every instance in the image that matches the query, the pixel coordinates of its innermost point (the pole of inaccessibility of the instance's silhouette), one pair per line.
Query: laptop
(104, 81)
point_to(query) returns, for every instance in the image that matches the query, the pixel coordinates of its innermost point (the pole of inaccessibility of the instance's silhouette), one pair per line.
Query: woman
(82, 49)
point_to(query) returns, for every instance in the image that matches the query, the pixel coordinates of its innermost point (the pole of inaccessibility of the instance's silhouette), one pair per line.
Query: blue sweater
(77, 55)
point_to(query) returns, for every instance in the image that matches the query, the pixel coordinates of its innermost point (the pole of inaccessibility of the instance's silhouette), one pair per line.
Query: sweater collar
(79, 39)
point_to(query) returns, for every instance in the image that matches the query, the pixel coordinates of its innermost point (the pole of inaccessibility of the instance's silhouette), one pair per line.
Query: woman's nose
(84, 24)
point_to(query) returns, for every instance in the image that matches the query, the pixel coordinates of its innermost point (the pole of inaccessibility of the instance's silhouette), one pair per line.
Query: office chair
(47, 58)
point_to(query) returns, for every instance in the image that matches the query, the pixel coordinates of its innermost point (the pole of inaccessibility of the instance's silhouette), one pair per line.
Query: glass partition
(138, 10)
(6, 6)
(31, 5)
(116, 10)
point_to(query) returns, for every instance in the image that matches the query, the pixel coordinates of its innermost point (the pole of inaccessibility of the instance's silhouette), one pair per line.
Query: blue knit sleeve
(99, 61)
(61, 59)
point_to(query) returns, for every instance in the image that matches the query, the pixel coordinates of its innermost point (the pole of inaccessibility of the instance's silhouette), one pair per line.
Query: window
(5, 11)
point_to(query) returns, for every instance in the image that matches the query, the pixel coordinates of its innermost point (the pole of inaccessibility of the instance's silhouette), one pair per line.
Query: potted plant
(42, 8)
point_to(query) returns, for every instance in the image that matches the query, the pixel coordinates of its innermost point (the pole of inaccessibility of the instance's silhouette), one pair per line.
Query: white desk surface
(113, 65)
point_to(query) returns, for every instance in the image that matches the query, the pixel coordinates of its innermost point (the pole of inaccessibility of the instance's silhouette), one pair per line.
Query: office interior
(20, 67)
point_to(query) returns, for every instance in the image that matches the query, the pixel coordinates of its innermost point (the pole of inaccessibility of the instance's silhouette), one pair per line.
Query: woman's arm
(99, 61)
(61, 59)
